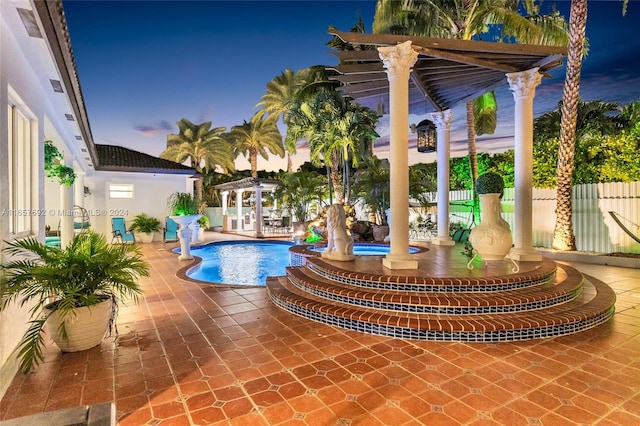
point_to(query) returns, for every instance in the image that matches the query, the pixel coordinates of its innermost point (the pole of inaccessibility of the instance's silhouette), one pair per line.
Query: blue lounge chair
(120, 232)
(170, 230)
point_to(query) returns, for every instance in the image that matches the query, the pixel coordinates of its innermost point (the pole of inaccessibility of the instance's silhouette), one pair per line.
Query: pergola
(430, 75)
(240, 186)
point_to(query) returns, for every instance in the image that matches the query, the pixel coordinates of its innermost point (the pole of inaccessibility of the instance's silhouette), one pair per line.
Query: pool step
(551, 301)
(565, 286)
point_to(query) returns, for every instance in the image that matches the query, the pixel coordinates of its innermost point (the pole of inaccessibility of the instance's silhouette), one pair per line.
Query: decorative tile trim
(495, 329)
(453, 304)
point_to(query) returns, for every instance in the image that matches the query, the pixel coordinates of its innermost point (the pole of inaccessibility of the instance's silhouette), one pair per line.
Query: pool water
(366, 249)
(240, 262)
(250, 262)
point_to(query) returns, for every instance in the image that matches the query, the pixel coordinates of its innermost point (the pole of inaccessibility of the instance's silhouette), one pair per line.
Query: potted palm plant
(74, 291)
(144, 226)
(183, 208)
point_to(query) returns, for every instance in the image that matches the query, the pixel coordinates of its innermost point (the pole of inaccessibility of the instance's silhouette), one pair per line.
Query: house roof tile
(117, 158)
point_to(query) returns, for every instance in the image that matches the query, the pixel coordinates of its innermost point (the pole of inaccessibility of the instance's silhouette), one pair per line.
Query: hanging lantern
(427, 136)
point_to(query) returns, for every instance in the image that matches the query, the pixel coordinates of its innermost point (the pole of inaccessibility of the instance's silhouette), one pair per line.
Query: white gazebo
(256, 185)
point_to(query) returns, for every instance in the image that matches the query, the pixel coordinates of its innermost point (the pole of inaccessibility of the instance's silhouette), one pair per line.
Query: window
(120, 190)
(20, 171)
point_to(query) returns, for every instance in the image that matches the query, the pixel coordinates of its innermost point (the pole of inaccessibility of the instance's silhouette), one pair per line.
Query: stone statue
(339, 242)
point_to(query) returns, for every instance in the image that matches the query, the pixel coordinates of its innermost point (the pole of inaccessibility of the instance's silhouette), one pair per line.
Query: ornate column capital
(523, 84)
(398, 59)
(442, 119)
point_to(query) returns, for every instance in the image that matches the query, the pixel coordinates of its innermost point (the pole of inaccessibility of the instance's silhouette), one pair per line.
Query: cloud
(160, 128)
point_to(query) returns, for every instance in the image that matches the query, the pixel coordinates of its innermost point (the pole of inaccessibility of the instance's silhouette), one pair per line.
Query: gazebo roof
(447, 72)
(248, 183)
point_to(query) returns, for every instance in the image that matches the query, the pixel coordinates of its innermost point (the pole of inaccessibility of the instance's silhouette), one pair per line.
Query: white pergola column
(66, 215)
(225, 197)
(78, 188)
(523, 85)
(398, 61)
(258, 221)
(239, 218)
(442, 120)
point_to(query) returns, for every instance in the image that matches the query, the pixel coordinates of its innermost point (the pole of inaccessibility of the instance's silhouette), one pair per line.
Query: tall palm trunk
(253, 159)
(471, 136)
(563, 236)
(198, 186)
(289, 163)
(335, 178)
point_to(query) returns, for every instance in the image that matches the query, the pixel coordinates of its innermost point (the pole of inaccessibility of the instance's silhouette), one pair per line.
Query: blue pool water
(366, 249)
(240, 262)
(251, 262)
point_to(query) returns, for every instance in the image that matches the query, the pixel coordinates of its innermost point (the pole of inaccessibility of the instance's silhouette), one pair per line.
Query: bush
(489, 183)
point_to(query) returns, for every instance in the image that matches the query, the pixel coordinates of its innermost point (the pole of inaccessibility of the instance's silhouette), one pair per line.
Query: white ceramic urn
(491, 239)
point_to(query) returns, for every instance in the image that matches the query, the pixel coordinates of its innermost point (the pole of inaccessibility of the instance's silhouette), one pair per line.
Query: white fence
(594, 228)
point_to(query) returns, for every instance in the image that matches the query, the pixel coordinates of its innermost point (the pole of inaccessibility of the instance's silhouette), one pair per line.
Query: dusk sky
(144, 65)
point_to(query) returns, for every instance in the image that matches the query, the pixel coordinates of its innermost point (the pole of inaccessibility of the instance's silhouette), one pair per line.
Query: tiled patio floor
(197, 354)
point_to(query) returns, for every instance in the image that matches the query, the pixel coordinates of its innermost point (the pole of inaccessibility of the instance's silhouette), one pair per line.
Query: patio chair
(284, 225)
(170, 230)
(120, 232)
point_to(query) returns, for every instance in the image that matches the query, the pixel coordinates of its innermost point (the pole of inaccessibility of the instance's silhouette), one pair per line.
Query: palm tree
(299, 191)
(202, 145)
(467, 20)
(256, 137)
(372, 186)
(335, 129)
(563, 236)
(285, 90)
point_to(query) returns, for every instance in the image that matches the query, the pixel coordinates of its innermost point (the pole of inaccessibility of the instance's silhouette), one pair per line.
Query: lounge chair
(170, 230)
(120, 232)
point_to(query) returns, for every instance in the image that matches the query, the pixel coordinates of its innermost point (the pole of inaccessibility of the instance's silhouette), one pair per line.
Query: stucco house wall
(38, 78)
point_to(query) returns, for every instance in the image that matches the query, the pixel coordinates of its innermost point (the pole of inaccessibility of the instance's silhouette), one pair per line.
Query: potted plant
(144, 226)
(74, 291)
(182, 204)
(54, 166)
(183, 209)
(492, 237)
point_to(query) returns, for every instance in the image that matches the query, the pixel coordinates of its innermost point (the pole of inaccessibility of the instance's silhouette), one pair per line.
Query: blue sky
(144, 65)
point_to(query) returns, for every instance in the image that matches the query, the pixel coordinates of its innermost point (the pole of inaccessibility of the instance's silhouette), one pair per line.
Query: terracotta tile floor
(196, 354)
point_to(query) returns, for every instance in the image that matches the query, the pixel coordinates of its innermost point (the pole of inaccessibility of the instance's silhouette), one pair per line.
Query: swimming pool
(250, 262)
(240, 262)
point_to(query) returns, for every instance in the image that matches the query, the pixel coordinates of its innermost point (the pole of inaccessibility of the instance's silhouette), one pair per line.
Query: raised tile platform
(442, 300)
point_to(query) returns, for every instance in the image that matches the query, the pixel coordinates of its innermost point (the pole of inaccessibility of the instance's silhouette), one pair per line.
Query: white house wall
(150, 195)
(22, 77)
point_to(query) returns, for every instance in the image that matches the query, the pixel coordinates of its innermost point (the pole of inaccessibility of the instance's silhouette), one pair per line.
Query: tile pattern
(192, 354)
(543, 300)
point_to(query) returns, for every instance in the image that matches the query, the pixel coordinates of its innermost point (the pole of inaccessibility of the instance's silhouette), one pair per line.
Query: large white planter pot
(144, 237)
(491, 239)
(85, 327)
(195, 227)
(185, 233)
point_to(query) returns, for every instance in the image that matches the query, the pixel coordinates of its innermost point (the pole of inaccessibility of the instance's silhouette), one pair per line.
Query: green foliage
(502, 163)
(145, 224)
(54, 166)
(204, 221)
(489, 183)
(485, 114)
(372, 186)
(203, 146)
(256, 136)
(182, 204)
(298, 191)
(86, 272)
